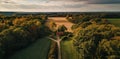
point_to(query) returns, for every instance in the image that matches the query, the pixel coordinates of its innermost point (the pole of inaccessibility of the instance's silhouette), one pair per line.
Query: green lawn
(37, 50)
(68, 50)
(115, 21)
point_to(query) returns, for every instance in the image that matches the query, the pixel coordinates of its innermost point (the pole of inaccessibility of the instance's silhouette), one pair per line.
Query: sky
(60, 5)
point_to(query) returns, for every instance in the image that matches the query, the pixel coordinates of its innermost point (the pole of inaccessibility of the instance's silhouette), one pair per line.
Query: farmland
(115, 21)
(37, 50)
(68, 50)
(61, 21)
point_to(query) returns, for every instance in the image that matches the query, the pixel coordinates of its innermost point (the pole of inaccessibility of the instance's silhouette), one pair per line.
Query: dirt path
(62, 21)
(58, 40)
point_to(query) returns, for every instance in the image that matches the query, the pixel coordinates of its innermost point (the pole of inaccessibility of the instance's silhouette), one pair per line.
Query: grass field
(115, 21)
(68, 50)
(38, 50)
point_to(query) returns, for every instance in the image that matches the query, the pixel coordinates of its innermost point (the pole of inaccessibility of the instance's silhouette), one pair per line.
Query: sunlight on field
(61, 21)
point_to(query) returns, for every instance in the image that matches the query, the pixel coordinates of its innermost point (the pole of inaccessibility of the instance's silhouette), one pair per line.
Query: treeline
(103, 14)
(83, 18)
(63, 14)
(18, 32)
(95, 38)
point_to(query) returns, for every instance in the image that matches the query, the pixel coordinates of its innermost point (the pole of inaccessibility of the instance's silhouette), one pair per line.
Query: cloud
(101, 8)
(65, 1)
(104, 1)
(83, 8)
(68, 0)
(59, 5)
(3, 1)
(93, 1)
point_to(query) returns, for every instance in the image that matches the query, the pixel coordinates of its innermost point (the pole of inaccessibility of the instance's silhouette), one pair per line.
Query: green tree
(62, 28)
(109, 49)
(87, 40)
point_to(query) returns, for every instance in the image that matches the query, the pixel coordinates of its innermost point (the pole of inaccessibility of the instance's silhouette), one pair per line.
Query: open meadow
(37, 50)
(115, 21)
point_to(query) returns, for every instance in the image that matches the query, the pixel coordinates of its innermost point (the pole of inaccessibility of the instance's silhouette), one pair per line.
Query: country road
(58, 41)
(62, 21)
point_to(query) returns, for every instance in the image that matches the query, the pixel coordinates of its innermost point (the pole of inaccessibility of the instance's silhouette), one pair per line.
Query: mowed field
(115, 21)
(38, 50)
(61, 21)
(68, 50)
